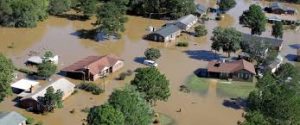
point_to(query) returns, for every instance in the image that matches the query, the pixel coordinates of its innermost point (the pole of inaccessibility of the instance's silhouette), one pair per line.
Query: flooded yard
(60, 36)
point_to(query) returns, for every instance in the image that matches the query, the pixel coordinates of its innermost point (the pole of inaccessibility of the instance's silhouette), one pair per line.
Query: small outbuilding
(165, 34)
(186, 22)
(12, 118)
(275, 44)
(39, 60)
(201, 9)
(278, 8)
(24, 85)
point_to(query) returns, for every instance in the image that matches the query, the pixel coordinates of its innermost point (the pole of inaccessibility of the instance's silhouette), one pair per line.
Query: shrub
(85, 110)
(90, 87)
(72, 111)
(182, 44)
(75, 92)
(26, 71)
(200, 31)
(29, 121)
(122, 76)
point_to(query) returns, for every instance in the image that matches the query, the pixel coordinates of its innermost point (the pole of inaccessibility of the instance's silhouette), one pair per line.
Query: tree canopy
(152, 54)
(134, 108)
(179, 8)
(22, 13)
(110, 19)
(57, 7)
(46, 69)
(255, 19)
(152, 84)
(277, 30)
(226, 5)
(200, 31)
(227, 39)
(274, 102)
(6, 76)
(105, 115)
(51, 100)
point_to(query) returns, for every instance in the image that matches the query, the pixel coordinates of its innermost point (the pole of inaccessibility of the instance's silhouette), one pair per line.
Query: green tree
(105, 115)
(226, 5)
(152, 54)
(57, 7)
(287, 70)
(227, 39)
(88, 7)
(111, 19)
(255, 118)
(152, 83)
(22, 13)
(277, 30)
(256, 50)
(51, 100)
(46, 69)
(179, 8)
(134, 108)
(255, 19)
(266, 80)
(48, 55)
(6, 76)
(200, 31)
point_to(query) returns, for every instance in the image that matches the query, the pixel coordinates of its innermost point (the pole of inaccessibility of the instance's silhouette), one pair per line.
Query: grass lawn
(234, 89)
(197, 84)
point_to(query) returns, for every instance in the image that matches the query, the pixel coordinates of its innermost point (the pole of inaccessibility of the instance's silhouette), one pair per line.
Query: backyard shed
(186, 22)
(201, 9)
(24, 85)
(272, 43)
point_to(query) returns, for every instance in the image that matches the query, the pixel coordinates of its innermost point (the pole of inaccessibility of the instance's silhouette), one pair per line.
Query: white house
(39, 60)
(186, 22)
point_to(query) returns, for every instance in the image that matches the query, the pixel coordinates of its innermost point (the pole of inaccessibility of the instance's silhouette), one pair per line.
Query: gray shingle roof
(188, 19)
(11, 118)
(276, 5)
(268, 41)
(167, 30)
(201, 8)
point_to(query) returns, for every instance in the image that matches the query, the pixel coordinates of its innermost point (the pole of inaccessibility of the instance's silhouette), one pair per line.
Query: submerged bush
(90, 87)
(182, 44)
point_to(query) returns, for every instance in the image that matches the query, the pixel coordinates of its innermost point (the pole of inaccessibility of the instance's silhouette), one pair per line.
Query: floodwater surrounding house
(94, 67)
(236, 70)
(30, 101)
(59, 36)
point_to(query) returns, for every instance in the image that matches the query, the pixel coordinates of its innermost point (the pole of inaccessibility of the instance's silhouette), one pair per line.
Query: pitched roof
(61, 84)
(93, 63)
(230, 67)
(167, 30)
(277, 5)
(267, 41)
(201, 8)
(188, 19)
(11, 118)
(24, 84)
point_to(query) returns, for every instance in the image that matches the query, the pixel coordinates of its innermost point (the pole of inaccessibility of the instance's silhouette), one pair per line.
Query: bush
(90, 87)
(72, 111)
(85, 110)
(29, 121)
(200, 31)
(26, 71)
(124, 74)
(182, 44)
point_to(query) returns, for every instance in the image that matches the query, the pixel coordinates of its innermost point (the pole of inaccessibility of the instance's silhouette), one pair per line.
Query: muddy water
(59, 36)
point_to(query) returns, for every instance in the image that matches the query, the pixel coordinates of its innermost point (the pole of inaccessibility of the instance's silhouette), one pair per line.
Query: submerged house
(165, 34)
(24, 85)
(201, 10)
(236, 70)
(12, 118)
(39, 60)
(278, 8)
(186, 22)
(271, 43)
(94, 67)
(31, 102)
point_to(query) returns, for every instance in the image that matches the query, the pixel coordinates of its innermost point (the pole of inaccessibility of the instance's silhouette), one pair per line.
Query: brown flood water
(59, 36)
